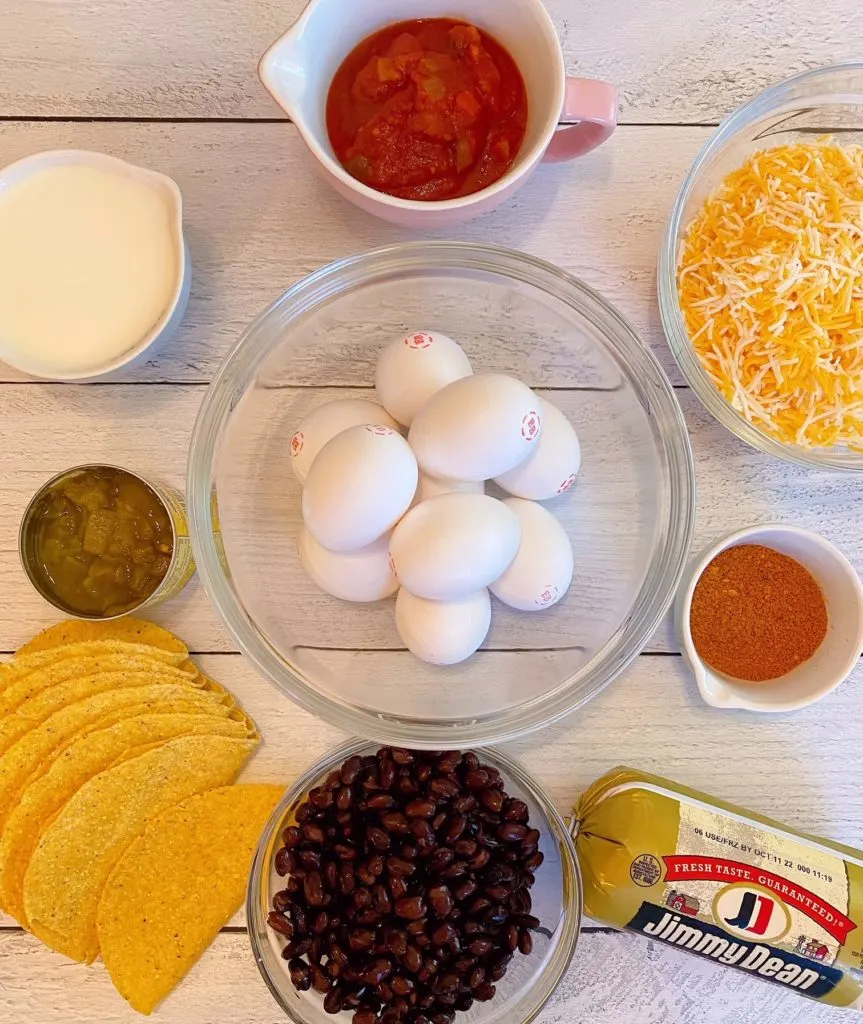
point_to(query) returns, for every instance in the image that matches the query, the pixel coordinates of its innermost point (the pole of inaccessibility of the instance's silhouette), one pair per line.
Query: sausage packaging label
(723, 883)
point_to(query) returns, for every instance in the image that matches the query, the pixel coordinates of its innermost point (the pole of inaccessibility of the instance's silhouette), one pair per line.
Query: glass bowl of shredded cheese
(761, 271)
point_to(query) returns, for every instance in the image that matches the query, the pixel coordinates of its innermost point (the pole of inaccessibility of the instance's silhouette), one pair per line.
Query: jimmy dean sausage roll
(729, 885)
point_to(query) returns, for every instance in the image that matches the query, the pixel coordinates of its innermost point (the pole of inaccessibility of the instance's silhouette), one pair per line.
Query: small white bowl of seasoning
(770, 618)
(94, 269)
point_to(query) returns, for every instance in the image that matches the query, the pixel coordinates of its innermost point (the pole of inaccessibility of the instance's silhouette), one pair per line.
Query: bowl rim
(661, 578)
(683, 606)
(769, 100)
(22, 168)
(573, 908)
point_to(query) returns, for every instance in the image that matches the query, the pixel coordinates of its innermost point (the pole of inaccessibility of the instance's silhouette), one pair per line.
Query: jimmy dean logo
(714, 944)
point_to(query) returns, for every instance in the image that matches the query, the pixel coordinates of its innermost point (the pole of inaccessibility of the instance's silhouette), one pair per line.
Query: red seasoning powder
(756, 614)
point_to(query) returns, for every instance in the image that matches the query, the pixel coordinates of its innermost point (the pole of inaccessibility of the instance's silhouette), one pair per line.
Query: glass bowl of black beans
(398, 886)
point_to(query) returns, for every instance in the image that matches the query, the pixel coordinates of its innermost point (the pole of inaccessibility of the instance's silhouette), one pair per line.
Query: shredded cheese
(770, 283)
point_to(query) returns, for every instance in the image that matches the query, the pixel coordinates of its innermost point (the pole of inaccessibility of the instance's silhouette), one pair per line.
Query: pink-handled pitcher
(298, 68)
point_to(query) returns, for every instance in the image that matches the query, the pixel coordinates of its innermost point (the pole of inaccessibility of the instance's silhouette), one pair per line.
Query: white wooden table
(171, 84)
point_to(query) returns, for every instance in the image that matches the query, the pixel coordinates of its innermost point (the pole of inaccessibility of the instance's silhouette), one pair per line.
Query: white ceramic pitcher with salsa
(298, 70)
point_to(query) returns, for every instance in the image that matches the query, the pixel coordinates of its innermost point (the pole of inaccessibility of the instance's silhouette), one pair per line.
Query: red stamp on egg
(419, 340)
(565, 486)
(379, 430)
(547, 596)
(393, 567)
(297, 442)
(530, 426)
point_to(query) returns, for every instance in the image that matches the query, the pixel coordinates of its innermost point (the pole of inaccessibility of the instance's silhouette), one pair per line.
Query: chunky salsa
(428, 109)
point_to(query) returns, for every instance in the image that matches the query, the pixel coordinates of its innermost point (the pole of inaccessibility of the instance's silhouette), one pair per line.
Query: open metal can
(180, 569)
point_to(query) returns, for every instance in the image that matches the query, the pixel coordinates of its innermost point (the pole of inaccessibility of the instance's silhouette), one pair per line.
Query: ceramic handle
(593, 104)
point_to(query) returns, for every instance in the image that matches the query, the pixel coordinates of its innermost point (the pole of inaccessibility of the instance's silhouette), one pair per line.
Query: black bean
(466, 848)
(441, 900)
(382, 902)
(331, 876)
(464, 804)
(347, 879)
(298, 946)
(495, 915)
(412, 959)
(378, 971)
(401, 756)
(528, 921)
(482, 993)
(422, 808)
(380, 802)
(361, 939)
(534, 861)
(291, 837)
(395, 821)
(301, 977)
(320, 923)
(498, 892)
(492, 799)
(320, 979)
(333, 1000)
(448, 762)
(313, 833)
(520, 902)
(313, 889)
(398, 887)
(440, 859)
(479, 860)
(464, 890)
(511, 936)
(411, 908)
(402, 986)
(282, 862)
(387, 774)
(455, 827)
(282, 900)
(365, 1016)
(379, 839)
(512, 832)
(279, 923)
(477, 779)
(398, 866)
(525, 942)
(345, 852)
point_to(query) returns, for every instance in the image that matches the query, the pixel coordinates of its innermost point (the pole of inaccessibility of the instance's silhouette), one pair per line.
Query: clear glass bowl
(815, 103)
(556, 895)
(629, 516)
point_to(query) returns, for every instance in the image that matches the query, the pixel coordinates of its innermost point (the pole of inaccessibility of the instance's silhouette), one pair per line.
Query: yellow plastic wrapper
(726, 884)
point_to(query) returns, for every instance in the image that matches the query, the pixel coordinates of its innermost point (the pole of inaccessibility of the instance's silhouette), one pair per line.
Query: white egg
(363, 575)
(541, 572)
(476, 428)
(359, 486)
(552, 466)
(413, 368)
(432, 486)
(443, 632)
(453, 545)
(322, 425)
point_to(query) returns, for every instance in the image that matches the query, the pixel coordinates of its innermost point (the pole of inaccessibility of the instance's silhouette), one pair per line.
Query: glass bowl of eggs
(440, 494)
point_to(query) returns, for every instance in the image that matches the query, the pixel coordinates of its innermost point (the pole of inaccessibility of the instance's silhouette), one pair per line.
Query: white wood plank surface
(257, 220)
(673, 62)
(147, 428)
